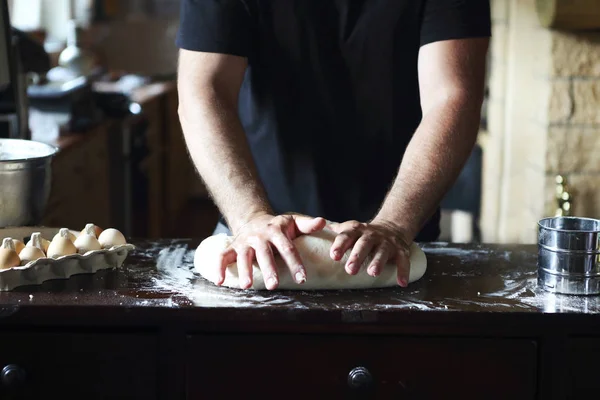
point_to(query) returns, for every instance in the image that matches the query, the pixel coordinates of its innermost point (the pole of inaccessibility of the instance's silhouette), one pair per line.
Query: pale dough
(322, 273)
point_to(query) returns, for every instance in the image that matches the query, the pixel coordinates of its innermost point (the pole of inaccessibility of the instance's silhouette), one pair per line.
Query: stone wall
(574, 125)
(543, 120)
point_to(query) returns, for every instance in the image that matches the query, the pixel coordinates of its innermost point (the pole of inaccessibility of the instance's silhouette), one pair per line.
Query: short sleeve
(455, 19)
(215, 26)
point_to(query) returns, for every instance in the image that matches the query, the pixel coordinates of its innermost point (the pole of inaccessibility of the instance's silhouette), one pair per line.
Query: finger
(403, 264)
(360, 251)
(342, 243)
(289, 254)
(244, 265)
(380, 258)
(226, 257)
(307, 225)
(266, 263)
(335, 226)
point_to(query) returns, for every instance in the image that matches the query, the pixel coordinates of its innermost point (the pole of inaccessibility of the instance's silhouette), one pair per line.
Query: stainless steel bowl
(25, 174)
(569, 255)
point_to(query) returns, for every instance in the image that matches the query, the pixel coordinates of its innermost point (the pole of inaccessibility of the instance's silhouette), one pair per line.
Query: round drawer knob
(12, 376)
(360, 378)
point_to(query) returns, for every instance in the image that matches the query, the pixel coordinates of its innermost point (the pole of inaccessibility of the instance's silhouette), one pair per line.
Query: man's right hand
(258, 238)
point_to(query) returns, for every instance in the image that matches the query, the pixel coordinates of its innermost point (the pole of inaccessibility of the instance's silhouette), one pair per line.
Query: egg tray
(44, 269)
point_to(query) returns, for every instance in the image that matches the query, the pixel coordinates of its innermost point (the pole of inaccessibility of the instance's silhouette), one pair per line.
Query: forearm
(220, 152)
(432, 162)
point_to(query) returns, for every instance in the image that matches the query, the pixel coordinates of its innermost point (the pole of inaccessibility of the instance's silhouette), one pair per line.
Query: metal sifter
(569, 255)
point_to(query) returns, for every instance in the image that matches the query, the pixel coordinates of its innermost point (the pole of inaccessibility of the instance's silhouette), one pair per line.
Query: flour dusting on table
(457, 278)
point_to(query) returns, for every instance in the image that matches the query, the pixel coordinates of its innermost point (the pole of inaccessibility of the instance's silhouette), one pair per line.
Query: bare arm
(209, 86)
(451, 76)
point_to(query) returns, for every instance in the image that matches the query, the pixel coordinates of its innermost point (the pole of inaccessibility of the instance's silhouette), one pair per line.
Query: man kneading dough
(357, 111)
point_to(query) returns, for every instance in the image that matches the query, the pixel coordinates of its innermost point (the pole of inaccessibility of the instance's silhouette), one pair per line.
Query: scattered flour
(175, 280)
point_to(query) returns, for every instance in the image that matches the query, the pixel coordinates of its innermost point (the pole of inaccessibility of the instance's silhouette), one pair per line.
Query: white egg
(61, 245)
(30, 253)
(45, 242)
(8, 256)
(95, 229)
(18, 245)
(85, 243)
(111, 237)
(70, 234)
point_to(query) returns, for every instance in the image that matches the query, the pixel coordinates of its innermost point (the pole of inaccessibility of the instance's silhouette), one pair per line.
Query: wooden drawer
(583, 355)
(79, 366)
(304, 366)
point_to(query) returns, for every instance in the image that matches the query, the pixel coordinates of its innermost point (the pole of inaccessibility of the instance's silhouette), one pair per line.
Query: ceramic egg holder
(63, 253)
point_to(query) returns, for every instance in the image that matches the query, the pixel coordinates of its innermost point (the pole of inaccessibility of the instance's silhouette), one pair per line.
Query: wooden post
(569, 14)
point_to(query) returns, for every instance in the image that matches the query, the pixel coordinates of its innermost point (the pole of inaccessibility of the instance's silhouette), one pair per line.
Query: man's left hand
(381, 242)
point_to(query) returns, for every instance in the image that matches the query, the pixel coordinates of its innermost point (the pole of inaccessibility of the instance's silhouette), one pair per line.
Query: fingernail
(336, 253)
(247, 282)
(373, 271)
(272, 282)
(403, 282)
(349, 268)
(300, 278)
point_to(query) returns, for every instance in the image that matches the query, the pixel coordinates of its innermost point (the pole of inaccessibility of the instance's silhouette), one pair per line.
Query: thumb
(307, 225)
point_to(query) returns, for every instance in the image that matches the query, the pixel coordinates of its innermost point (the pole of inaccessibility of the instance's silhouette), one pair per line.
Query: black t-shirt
(330, 99)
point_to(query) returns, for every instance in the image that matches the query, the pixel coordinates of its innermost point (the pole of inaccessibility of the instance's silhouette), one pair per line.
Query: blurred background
(97, 79)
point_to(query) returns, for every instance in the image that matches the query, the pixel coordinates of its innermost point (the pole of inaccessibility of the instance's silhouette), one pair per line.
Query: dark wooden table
(476, 326)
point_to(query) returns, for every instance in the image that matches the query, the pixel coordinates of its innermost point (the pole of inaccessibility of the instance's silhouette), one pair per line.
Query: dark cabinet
(152, 331)
(582, 367)
(352, 366)
(47, 365)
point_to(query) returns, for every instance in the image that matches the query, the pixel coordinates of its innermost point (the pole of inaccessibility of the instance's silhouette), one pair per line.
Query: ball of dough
(323, 273)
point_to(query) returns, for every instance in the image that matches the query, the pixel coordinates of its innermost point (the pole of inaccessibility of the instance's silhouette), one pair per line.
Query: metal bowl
(569, 255)
(25, 174)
